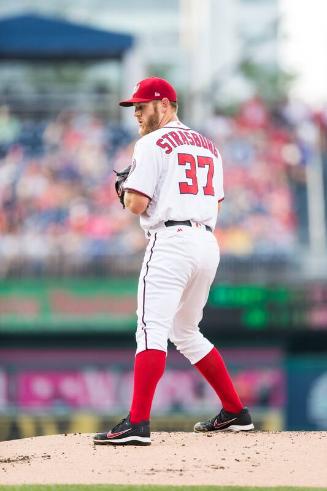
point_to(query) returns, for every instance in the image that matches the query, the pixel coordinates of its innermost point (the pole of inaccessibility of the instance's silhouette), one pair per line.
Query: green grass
(117, 487)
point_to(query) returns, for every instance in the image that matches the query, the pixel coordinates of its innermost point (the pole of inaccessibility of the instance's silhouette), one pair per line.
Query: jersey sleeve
(144, 173)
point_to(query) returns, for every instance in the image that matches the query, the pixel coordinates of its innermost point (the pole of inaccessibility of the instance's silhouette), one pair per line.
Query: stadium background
(69, 255)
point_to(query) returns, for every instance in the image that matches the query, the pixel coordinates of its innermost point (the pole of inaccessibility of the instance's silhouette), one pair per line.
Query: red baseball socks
(214, 370)
(148, 369)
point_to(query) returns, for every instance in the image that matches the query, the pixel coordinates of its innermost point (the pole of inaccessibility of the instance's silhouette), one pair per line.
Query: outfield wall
(67, 349)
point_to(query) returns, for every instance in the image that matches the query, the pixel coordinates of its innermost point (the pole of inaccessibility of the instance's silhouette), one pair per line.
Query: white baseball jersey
(181, 172)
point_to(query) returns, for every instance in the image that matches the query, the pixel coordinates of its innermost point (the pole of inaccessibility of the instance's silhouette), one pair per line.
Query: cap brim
(134, 100)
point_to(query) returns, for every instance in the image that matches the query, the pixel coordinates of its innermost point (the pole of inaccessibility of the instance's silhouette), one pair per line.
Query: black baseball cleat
(126, 433)
(226, 421)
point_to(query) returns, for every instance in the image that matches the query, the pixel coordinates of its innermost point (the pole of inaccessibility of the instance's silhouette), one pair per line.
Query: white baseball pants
(178, 269)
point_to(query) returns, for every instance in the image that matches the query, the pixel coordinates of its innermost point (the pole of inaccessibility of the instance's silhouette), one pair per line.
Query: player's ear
(165, 103)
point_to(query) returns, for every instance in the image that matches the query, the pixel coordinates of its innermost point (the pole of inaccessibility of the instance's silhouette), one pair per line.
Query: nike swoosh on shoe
(119, 433)
(220, 425)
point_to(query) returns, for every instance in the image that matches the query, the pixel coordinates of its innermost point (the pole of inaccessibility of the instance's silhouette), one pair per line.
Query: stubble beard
(152, 124)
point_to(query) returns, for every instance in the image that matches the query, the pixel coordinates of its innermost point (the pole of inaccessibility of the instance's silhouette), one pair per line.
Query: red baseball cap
(151, 89)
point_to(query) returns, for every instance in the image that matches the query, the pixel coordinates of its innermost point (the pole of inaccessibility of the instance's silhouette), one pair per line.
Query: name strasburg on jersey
(174, 139)
(180, 171)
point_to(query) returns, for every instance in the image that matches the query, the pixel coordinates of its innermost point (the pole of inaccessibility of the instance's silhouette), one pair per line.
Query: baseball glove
(119, 183)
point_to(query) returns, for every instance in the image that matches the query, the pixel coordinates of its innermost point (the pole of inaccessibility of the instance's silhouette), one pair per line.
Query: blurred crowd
(265, 155)
(58, 208)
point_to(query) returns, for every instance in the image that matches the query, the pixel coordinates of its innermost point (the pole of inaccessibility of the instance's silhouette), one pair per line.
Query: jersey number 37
(192, 164)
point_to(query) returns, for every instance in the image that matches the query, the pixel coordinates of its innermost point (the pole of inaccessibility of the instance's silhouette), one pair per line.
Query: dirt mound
(253, 459)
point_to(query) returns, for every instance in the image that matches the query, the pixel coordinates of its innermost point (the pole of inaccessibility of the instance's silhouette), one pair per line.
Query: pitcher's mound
(245, 459)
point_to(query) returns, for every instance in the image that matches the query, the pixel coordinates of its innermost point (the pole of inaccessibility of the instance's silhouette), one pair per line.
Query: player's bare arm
(137, 203)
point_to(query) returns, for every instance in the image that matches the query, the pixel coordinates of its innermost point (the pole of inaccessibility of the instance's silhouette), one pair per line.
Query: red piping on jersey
(137, 191)
(221, 199)
(143, 312)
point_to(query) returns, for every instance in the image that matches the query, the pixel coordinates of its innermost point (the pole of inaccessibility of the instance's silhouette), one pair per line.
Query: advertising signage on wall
(307, 389)
(101, 380)
(46, 391)
(109, 305)
(67, 305)
(257, 306)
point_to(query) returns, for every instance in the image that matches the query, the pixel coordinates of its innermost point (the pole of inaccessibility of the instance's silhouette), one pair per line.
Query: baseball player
(175, 184)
